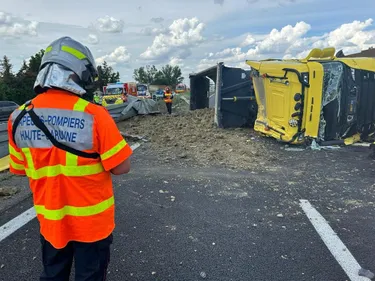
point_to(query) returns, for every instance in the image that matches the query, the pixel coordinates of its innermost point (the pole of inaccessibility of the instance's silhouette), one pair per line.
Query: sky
(194, 34)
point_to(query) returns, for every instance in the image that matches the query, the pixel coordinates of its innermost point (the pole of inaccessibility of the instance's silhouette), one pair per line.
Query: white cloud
(249, 40)
(157, 20)
(279, 41)
(109, 25)
(351, 34)
(119, 56)
(149, 31)
(293, 42)
(218, 37)
(182, 36)
(13, 27)
(92, 39)
(176, 61)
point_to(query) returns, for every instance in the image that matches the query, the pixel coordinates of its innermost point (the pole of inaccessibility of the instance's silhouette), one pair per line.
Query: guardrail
(4, 150)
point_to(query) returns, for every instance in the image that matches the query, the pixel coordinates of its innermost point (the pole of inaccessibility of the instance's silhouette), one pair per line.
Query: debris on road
(203, 274)
(366, 273)
(294, 149)
(192, 135)
(8, 191)
(135, 138)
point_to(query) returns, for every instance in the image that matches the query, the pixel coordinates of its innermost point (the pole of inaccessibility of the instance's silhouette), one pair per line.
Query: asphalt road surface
(179, 222)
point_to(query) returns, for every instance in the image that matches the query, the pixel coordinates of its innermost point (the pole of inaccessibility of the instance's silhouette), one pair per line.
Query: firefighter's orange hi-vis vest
(168, 97)
(73, 195)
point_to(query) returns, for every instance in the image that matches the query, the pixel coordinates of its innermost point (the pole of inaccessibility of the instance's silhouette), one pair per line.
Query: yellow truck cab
(319, 97)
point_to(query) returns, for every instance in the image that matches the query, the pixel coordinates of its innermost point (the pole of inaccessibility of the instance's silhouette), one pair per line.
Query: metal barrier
(4, 150)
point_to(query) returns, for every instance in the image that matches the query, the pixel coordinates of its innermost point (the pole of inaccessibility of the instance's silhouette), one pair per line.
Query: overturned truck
(323, 98)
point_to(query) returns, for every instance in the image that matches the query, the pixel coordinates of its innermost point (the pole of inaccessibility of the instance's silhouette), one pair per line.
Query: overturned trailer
(233, 97)
(322, 97)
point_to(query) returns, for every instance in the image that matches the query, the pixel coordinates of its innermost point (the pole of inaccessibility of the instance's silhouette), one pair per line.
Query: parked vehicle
(180, 88)
(6, 109)
(158, 94)
(142, 91)
(113, 93)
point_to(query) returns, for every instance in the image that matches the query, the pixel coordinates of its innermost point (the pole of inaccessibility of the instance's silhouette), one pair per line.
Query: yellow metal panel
(321, 54)
(313, 99)
(314, 53)
(4, 163)
(359, 63)
(276, 109)
(277, 105)
(328, 53)
(275, 68)
(254, 64)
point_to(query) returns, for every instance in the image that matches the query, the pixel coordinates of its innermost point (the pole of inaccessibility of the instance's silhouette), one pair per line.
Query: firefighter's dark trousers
(90, 260)
(169, 107)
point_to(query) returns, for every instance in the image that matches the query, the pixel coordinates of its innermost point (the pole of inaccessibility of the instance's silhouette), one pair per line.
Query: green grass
(186, 95)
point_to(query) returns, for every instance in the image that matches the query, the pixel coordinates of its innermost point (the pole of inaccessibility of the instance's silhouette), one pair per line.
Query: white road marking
(16, 223)
(337, 248)
(22, 219)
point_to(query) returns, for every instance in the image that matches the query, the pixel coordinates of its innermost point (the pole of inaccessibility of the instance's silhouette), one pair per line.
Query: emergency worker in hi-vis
(68, 148)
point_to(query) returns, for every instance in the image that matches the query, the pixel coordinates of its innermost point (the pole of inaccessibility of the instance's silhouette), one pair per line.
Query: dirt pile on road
(192, 136)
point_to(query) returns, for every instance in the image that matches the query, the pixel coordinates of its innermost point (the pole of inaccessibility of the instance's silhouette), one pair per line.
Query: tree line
(18, 86)
(168, 75)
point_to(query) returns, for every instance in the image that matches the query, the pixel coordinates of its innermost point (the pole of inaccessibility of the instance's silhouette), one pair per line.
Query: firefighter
(68, 148)
(98, 97)
(168, 99)
(124, 96)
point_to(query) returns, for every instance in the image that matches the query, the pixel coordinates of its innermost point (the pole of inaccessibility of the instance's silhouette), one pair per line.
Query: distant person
(68, 148)
(98, 97)
(168, 99)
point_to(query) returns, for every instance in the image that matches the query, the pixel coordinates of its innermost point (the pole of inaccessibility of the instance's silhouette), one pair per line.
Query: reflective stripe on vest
(71, 167)
(114, 150)
(16, 166)
(74, 211)
(168, 97)
(15, 153)
(71, 159)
